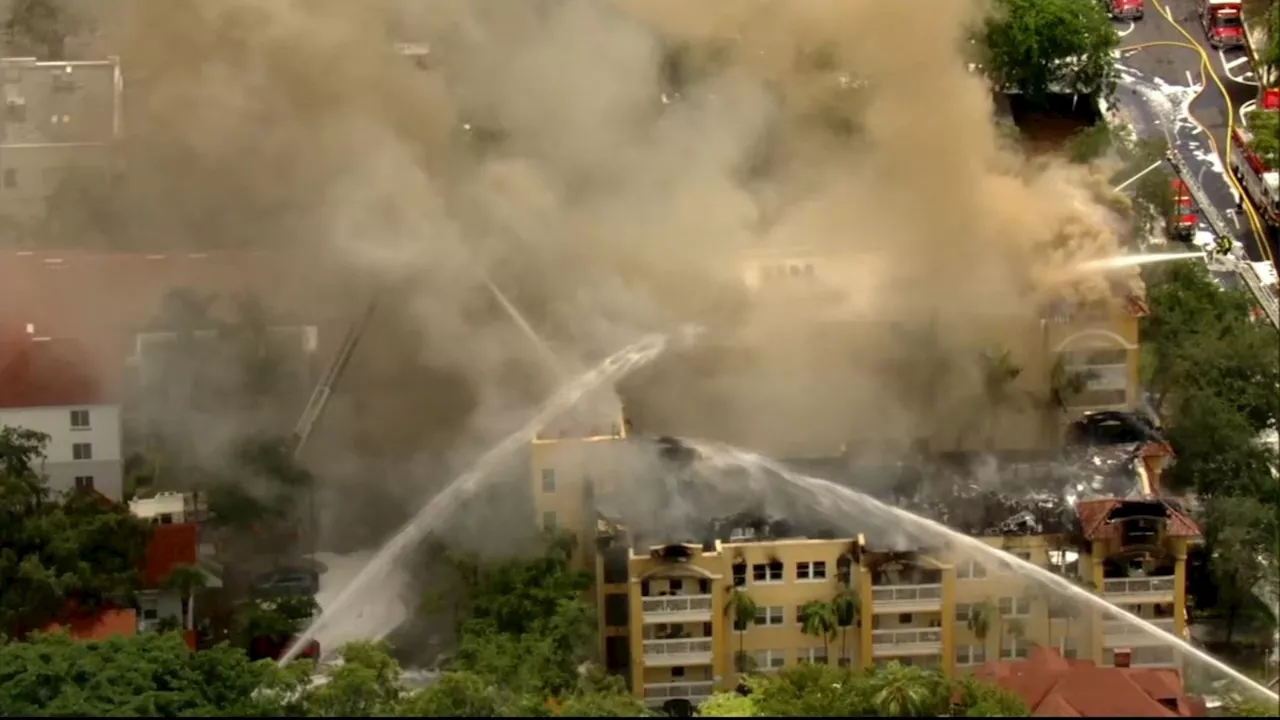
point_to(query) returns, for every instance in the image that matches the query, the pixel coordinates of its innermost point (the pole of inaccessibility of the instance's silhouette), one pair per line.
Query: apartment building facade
(50, 386)
(60, 118)
(667, 612)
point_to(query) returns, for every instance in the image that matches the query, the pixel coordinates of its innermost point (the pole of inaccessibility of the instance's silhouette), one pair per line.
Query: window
(149, 607)
(770, 615)
(1021, 554)
(739, 575)
(767, 572)
(677, 672)
(770, 659)
(548, 480)
(1068, 648)
(970, 655)
(84, 482)
(10, 178)
(904, 618)
(963, 611)
(617, 609)
(549, 520)
(1015, 607)
(79, 419)
(164, 519)
(812, 656)
(970, 570)
(81, 451)
(1013, 649)
(811, 571)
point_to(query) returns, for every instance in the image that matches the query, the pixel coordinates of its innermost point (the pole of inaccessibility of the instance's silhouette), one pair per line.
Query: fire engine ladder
(324, 389)
(1267, 301)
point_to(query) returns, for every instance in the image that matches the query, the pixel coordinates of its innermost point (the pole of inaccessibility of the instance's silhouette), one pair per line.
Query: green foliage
(890, 691)
(1238, 707)
(1264, 125)
(76, 553)
(1030, 46)
(1242, 533)
(276, 617)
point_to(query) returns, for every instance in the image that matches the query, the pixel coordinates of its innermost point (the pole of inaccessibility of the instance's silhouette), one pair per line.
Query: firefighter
(1225, 245)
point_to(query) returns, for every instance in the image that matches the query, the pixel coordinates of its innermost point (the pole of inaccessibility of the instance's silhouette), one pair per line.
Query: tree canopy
(59, 554)
(1043, 47)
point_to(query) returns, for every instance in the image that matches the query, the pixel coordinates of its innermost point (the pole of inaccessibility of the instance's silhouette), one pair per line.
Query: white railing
(1122, 627)
(882, 639)
(667, 648)
(676, 604)
(1138, 586)
(906, 593)
(684, 690)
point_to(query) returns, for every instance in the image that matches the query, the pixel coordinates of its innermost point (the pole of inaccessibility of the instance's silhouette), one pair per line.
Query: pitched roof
(48, 373)
(1094, 519)
(1054, 687)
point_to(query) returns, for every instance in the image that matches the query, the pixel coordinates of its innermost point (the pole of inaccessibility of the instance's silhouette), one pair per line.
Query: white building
(177, 541)
(48, 386)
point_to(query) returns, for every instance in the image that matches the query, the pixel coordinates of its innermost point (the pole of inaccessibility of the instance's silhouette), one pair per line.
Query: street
(1163, 90)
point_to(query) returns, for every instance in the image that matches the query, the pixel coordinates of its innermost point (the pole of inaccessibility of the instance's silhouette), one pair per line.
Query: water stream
(340, 609)
(1128, 261)
(842, 504)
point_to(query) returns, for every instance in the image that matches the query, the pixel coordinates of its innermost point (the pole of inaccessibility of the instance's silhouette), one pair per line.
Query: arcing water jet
(837, 501)
(1128, 261)
(435, 512)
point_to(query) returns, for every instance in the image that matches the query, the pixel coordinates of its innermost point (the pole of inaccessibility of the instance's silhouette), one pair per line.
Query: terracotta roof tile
(1093, 516)
(1052, 687)
(49, 373)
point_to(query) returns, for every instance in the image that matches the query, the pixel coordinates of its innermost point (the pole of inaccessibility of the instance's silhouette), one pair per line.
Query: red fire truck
(1183, 219)
(1259, 175)
(1223, 23)
(1125, 9)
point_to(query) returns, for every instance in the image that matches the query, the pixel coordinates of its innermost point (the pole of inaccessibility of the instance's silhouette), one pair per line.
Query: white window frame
(767, 660)
(773, 616)
(88, 419)
(811, 571)
(812, 656)
(1019, 607)
(88, 451)
(971, 570)
(963, 612)
(771, 577)
(84, 482)
(972, 655)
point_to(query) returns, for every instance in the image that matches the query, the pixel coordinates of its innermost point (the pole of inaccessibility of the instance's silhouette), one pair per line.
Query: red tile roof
(170, 545)
(1094, 515)
(100, 625)
(1054, 687)
(48, 373)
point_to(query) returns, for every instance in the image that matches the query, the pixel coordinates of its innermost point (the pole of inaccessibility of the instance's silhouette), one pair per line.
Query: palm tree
(999, 375)
(741, 609)
(900, 691)
(846, 605)
(818, 619)
(187, 580)
(979, 622)
(1066, 385)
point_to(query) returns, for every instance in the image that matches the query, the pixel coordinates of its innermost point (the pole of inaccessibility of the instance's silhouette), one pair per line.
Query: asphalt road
(1159, 90)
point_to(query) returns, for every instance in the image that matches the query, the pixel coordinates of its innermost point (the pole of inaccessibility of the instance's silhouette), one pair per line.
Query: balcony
(1134, 591)
(906, 642)
(691, 651)
(656, 694)
(906, 598)
(676, 609)
(1118, 633)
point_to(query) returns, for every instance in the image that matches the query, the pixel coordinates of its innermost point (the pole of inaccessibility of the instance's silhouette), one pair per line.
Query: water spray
(1127, 261)
(1153, 166)
(836, 499)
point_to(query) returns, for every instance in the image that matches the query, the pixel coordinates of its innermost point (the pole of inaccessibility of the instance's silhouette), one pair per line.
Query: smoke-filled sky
(602, 210)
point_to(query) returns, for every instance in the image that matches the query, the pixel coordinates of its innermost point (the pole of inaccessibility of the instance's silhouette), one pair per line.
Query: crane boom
(320, 396)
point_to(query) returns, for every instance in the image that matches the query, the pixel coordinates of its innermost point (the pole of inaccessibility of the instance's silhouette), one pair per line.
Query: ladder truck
(1255, 161)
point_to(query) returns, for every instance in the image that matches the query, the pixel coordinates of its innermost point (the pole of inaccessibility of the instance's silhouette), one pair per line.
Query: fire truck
(1258, 175)
(1125, 9)
(1223, 23)
(1183, 219)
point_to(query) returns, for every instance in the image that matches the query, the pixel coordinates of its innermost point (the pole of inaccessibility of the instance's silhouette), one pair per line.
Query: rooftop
(43, 372)
(1056, 687)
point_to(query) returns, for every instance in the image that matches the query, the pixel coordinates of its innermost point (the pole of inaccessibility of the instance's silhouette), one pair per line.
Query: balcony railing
(1116, 633)
(1138, 586)
(907, 595)
(891, 642)
(683, 690)
(690, 651)
(664, 608)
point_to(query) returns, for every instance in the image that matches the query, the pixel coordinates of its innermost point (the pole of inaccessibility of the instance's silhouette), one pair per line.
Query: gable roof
(44, 372)
(1095, 525)
(1054, 687)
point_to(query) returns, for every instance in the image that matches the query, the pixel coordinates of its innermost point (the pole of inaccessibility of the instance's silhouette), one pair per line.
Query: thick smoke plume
(546, 146)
